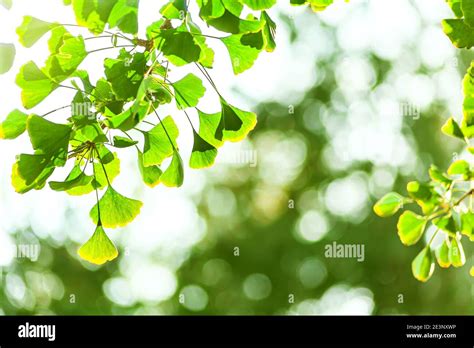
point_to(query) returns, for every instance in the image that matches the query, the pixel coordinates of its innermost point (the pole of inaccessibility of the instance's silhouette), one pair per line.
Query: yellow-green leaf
(410, 227)
(388, 205)
(99, 248)
(423, 265)
(174, 174)
(116, 210)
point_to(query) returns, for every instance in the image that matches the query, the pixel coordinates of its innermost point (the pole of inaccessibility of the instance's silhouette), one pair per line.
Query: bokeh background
(349, 108)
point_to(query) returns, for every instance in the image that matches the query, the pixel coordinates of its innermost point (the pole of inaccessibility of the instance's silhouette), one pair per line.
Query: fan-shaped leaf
(14, 125)
(99, 248)
(410, 227)
(116, 210)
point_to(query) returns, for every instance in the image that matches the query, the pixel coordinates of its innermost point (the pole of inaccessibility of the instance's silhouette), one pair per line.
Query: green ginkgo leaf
(116, 210)
(160, 142)
(235, 124)
(207, 54)
(459, 167)
(446, 223)
(467, 8)
(456, 253)
(32, 29)
(178, 45)
(31, 172)
(122, 142)
(423, 265)
(389, 204)
(203, 154)
(410, 227)
(49, 138)
(14, 125)
(269, 32)
(452, 128)
(93, 14)
(442, 254)
(208, 126)
(230, 23)
(188, 91)
(35, 85)
(151, 175)
(467, 224)
(7, 57)
(174, 9)
(242, 56)
(259, 5)
(99, 248)
(174, 174)
(77, 178)
(124, 15)
(439, 176)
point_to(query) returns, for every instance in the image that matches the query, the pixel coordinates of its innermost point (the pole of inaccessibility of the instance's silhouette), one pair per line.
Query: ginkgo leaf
(174, 9)
(442, 255)
(211, 9)
(242, 56)
(151, 175)
(93, 14)
(410, 227)
(467, 8)
(203, 154)
(174, 174)
(124, 15)
(389, 204)
(49, 138)
(235, 124)
(7, 56)
(76, 178)
(259, 5)
(116, 210)
(208, 125)
(35, 85)
(160, 142)
(269, 32)
(14, 125)
(320, 5)
(423, 265)
(439, 176)
(452, 128)
(178, 46)
(459, 167)
(125, 73)
(206, 57)
(230, 23)
(32, 29)
(188, 91)
(129, 118)
(122, 142)
(456, 7)
(99, 248)
(456, 253)
(31, 172)
(67, 53)
(460, 34)
(467, 224)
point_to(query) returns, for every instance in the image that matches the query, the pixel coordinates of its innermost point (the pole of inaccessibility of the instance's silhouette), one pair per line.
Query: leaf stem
(468, 193)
